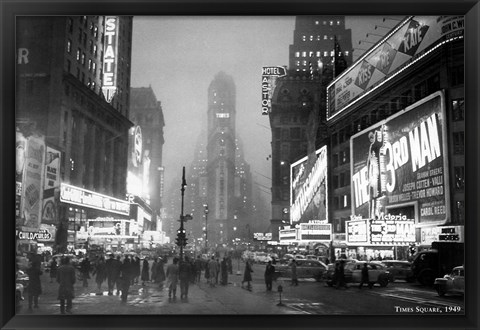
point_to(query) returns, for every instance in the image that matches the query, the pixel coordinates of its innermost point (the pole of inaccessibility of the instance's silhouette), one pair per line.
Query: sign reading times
(401, 161)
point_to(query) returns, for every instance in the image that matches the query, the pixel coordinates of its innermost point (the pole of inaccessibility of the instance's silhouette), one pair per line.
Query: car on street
(377, 273)
(451, 283)
(305, 269)
(399, 270)
(299, 257)
(286, 258)
(261, 258)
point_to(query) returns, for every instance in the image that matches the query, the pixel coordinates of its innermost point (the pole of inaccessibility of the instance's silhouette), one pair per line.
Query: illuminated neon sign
(269, 77)
(110, 51)
(78, 196)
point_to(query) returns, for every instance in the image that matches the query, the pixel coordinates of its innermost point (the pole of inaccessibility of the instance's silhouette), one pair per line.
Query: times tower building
(221, 157)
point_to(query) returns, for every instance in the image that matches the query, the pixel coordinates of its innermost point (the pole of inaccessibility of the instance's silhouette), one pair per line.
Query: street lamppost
(205, 210)
(182, 235)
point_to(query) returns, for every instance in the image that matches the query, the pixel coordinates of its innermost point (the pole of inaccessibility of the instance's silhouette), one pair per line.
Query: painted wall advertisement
(308, 198)
(21, 147)
(51, 184)
(400, 163)
(32, 192)
(410, 40)
(269, 78)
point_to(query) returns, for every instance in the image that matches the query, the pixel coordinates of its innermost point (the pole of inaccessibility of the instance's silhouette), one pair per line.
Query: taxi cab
(451, 283)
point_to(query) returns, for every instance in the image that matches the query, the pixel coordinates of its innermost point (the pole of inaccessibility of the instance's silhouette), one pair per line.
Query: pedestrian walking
(212, 271)
(145, 277)
(247, 274)
(160, 272)
(229, 264)
(184, 274)
(293, 265)
(154, 270)
(112, 269)
(85, 268)
(207, 271)
(198, 269)
(224, 271)
(172, 278)
(53, 269)
(66, 279)
(116, 274)
(269, 273)
(136, 268)
(127, 273)
(193, 272)
(100, 273)
(218, 271)
(365, 278)
(341, 275)
(34, 284)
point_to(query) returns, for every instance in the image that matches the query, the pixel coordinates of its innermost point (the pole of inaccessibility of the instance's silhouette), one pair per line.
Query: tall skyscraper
(320, 42)
(221, 154)
(321, 49)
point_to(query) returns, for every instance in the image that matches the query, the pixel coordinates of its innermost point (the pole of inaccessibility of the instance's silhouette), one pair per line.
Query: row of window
(341, 202)
(342, 180)
(319, 37)
(331, 23)
(319, 53)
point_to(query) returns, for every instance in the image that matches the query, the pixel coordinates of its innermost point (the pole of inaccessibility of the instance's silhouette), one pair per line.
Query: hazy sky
(179, 57)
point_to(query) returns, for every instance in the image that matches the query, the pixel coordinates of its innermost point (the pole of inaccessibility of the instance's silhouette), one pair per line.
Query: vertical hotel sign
(269, 77)
(109, 82)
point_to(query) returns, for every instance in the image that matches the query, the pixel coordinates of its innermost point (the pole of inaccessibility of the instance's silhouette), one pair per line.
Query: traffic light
(181, 239)
(413, 249)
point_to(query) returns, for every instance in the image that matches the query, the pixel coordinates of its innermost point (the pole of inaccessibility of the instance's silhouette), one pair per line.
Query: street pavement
(150, 299)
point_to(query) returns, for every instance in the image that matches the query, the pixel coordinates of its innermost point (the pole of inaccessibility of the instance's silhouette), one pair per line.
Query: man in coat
(126, 277)
(172, 278)
(66, 278)
(212, 270)
(184, 274)
(269, 272)
(113, 272)
(34, 284)
(85, 268)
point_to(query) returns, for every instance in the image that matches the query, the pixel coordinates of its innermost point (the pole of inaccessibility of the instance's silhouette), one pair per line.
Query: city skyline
(178, 57)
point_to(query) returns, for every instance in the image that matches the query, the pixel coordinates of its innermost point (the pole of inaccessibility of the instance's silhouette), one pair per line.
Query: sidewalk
(202, 299)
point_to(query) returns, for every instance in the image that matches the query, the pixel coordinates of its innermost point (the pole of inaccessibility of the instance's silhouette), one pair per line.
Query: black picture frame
(11, 8)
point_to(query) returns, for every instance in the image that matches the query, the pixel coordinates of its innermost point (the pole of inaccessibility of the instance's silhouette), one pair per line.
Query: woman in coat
(224, 271)
(293, 264)
(145, 277)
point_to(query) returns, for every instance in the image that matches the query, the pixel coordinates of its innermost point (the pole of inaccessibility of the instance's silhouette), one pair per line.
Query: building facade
(73, 92)
(397, 142)
(321, 49)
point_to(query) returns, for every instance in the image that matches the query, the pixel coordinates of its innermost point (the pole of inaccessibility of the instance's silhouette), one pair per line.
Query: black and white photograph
(240, 165)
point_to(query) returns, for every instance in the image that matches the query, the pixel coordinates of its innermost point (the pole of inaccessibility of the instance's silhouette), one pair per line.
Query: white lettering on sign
(79, 196)
(22, 55)
(315, 178)
(420, 148)
(110, 58)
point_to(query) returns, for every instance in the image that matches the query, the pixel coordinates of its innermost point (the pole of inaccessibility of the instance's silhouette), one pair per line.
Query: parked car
(451, 283)
(299, 257)
(399, 270)
(377, 273)
(305, 269)
(286, 258)
(261, 257)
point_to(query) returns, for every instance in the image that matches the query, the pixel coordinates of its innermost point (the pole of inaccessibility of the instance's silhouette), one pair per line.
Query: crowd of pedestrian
(121, 271)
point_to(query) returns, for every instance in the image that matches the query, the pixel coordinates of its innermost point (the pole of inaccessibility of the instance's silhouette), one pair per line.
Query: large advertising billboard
(32, 192)
(386, 230)
(308, 198)
(400, 164)
(51, 184)
(407, 43)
